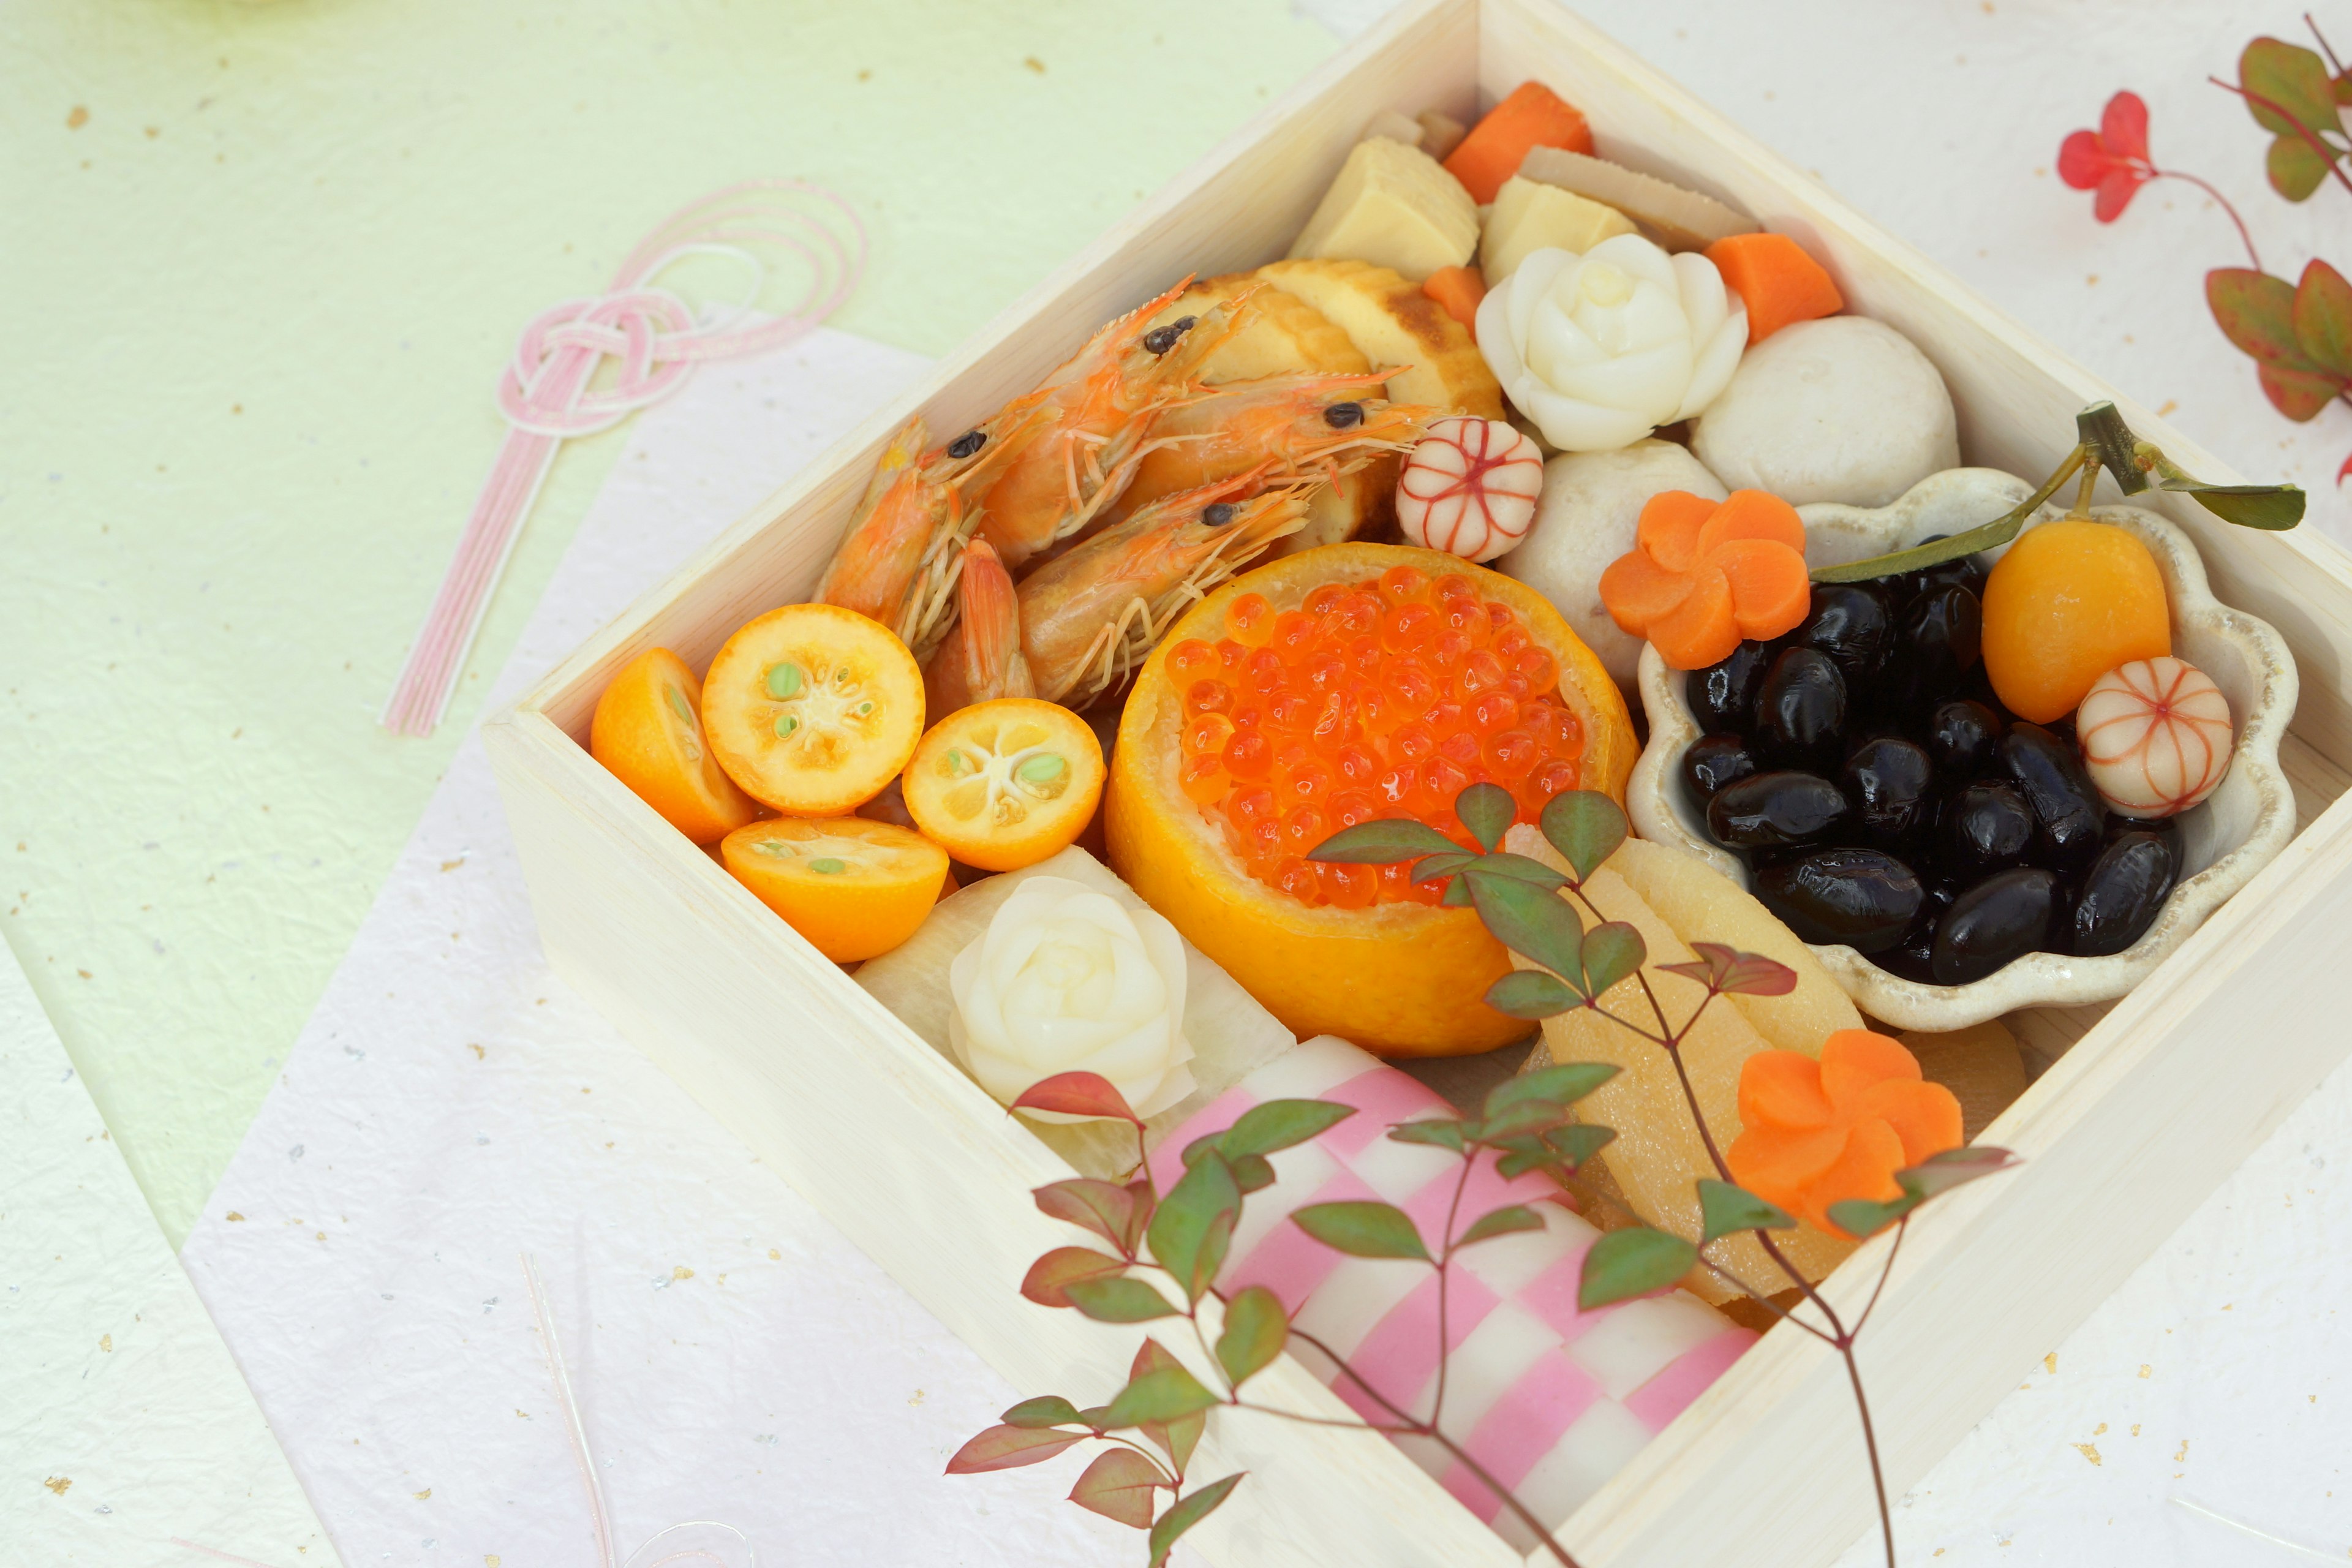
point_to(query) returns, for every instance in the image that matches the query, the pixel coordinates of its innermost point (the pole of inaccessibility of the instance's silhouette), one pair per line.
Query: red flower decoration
(2111, 160)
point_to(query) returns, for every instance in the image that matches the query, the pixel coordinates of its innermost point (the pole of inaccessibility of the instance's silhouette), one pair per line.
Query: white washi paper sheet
(451, 1106)
(123, 1423)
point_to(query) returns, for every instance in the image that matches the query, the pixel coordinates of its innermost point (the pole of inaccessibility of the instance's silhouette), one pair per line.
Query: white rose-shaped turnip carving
(1601, 349)
(1067, 980)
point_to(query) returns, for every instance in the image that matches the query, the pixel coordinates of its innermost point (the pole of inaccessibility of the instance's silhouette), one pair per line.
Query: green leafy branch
(1530, 908)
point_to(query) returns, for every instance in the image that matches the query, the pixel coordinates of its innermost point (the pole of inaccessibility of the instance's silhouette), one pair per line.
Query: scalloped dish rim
(2257, 784)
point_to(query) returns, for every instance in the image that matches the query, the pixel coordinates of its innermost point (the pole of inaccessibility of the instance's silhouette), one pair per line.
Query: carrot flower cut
(1816, 1133)
(1703, 574)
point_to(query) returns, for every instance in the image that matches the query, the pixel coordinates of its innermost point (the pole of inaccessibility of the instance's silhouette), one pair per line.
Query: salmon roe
(1371, 699)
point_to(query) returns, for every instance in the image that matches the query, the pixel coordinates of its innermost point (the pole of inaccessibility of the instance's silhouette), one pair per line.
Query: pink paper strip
(1666, 1396)
(546, 395)
(1486, 1191)
(1551, 1296)
(1168, 1159)
(1522, 1426)
(1289, 1262)
(1382, 1098)
(1400, 1356)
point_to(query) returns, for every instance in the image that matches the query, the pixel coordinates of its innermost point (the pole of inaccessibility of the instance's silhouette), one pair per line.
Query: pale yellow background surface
(262, 262)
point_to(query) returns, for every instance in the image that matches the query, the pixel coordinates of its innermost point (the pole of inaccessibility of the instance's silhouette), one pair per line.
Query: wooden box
(2142, 1110)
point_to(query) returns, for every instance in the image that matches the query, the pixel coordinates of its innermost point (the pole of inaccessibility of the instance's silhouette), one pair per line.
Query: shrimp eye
(965, 445)
(1220, 514)
(1160, 340)
(1344, 415)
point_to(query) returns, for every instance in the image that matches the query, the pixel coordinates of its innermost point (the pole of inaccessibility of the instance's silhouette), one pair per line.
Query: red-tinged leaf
(1502, 1221)
(1193, 1225)
(2116, 191)
(2123, 126)
(2344, 473)
(1382, 842)
(1045, 1410)
(1104, 1208)
(1167, 1394)
(1724, 1208)
(2299, 395)
(1176, 1438)
(2296, 80)
(1939, 1173)
(1562, 1083)
(1727, 969)
(1585, 826)
(2255, 311)
(1632, 1262)
(1118, 1485)
(1116, 1300)
(2295, 169)
(1362, 1229)
(1009, 1449)
(1280, 1124)
(1532, 994)
(1077, 1094)
(2083, 160)
(1049, 1279)
(1612, 950)
(1255, 1331)
(1520, 1119)
(2322, 318)
(1486, 809)
(1188, 1511)
(1146, 1201)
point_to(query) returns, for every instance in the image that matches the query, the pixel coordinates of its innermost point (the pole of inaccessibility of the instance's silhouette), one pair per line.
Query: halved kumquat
(813, 708)
(1003, 784)
(855, 888)
(647, 732)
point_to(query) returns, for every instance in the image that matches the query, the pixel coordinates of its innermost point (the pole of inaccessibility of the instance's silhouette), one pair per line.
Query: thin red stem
(2252, 254)
(2327, 155)
(1870, 1442)
(1902, 1229)
(2334, 65)
(1444, 1257)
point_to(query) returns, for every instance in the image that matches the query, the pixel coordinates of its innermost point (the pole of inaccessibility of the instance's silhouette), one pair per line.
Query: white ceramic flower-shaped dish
(2235, 833)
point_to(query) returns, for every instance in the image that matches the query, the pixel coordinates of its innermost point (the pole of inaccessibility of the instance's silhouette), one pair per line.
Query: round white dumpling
(1585, 520)
(1842, 409)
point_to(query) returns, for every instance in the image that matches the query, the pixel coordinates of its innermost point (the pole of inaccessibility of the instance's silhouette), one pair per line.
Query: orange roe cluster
(1371, 699)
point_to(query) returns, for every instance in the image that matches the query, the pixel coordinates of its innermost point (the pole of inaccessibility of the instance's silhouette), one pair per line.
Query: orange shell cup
(1816, 1133)
(1703, 574)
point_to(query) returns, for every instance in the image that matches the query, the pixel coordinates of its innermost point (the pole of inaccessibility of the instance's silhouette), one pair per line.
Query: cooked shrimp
(981, 659)
(1100, 409)
(1089, 616)
(1321, 425)
(897, 562)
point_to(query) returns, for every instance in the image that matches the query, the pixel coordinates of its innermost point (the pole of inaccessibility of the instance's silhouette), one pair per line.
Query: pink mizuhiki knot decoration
(655, 340)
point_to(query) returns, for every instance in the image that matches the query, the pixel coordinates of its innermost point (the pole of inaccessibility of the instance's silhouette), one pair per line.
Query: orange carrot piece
(1669, 528)
(1771, 592)
(1636, 591)
(1457, 291)
(1779, 284)
(1532, 116)
(1701, 630)
(1853, 1060)
(1752, 515)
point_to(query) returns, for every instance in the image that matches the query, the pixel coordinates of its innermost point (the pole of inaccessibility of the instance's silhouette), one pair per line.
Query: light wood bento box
(2144, 1107)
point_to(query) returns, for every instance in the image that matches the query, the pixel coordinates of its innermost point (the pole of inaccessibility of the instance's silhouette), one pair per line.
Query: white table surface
(451, 1104)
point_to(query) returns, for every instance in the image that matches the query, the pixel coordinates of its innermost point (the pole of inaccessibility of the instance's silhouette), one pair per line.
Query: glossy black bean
(2165, 829)
(1851, 622)
(2071, 818)
(1800, 711)
(1913, 957)
(2122, 894)
(1962, 736)
(1993, 923)
(1782, 807)
(1987, 827)
(1712, 762)
(1889, 781)
(1723, 696)
(1937, 648)
(1865, 898)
